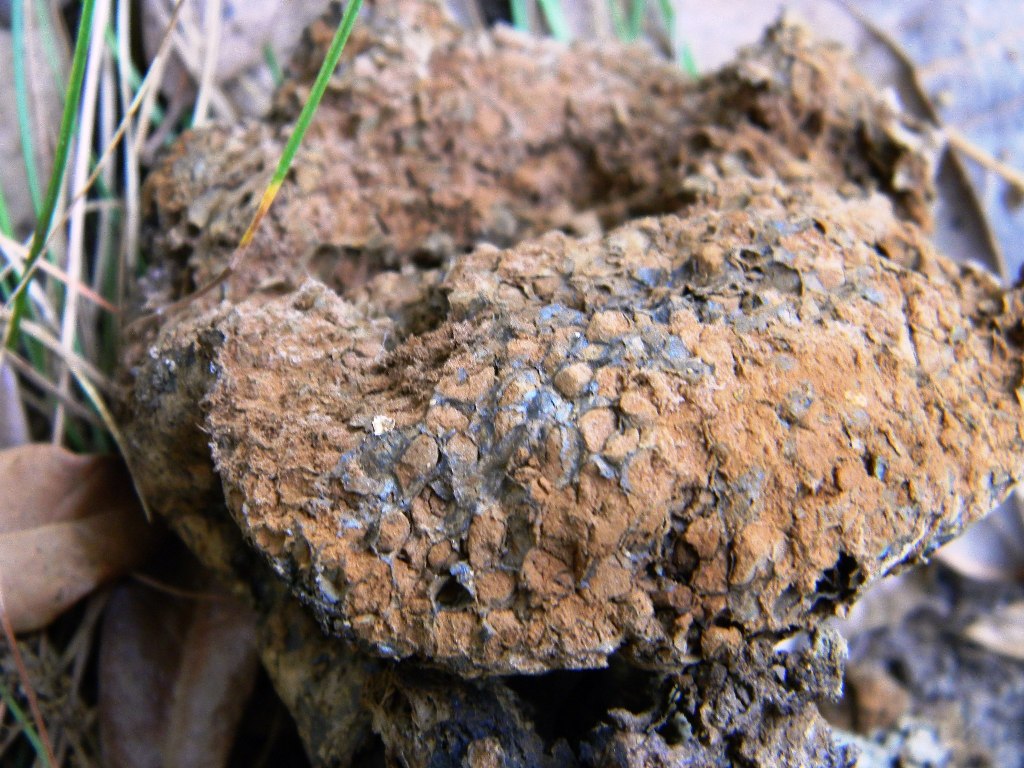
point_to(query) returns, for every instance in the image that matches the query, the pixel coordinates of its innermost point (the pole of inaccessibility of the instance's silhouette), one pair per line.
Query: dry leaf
(1002, 631)
(175, 674)
(68, 523)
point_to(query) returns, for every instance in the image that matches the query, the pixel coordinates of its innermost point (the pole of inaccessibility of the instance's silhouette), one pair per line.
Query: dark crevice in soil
(569, 704)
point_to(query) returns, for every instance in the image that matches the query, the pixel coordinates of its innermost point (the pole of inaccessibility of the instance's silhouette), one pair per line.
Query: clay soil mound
(554, 361)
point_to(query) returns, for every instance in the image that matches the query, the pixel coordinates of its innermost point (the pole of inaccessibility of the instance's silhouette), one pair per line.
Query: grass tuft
(60, 161)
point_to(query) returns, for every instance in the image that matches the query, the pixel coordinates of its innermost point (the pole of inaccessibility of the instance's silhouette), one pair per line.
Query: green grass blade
(5, 215)
(20, 56)
(683, 54)
(273, 64)
(134, 78)
(668, 13)
(60, 160)
(555, 18)
(520, 17)
(305, 118)
(636, 19)
(20, 716)
(618, 23)
(49, 41)
(291, 147)
(687, 62)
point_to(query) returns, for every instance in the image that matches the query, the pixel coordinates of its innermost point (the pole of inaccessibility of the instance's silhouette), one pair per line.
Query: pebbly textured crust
(621, 134)
(433, 140)
(691, 427)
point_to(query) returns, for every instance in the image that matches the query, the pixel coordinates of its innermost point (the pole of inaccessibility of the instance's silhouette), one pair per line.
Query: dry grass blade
(132, 221)
(920, 95)
(212, 16)
(54, 189)
(16, 253)
(144, 99)
(964, 145)
(115, 432)
(75, 261)
(71, 359)
(48, 388)
(187, 40)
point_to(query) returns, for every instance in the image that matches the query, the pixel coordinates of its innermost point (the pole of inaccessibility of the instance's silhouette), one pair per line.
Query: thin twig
(983, 158)
(47, 386)
(26, 683)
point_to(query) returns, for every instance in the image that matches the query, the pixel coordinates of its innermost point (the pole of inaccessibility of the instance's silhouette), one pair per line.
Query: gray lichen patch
(763, 414)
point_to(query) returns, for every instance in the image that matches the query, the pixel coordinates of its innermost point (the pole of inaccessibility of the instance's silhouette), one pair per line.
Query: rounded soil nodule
(652, 447)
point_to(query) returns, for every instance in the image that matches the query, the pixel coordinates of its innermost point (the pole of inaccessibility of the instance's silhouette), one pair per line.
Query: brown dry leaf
(68, 523)
(175, 674)
(1001, 631)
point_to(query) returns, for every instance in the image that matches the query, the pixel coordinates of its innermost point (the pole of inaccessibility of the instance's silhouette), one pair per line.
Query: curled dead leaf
(68, 523)
(175, 674)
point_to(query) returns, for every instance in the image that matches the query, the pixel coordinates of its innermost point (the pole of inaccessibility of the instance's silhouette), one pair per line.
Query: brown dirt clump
(691, 427)
(424, 718)
(665, 443)
(433, 140)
